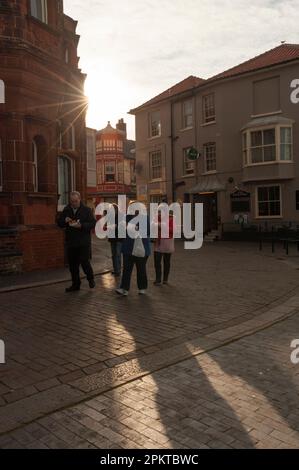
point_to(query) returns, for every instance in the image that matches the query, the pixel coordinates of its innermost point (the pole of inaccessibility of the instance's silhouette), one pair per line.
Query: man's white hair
(75, 193)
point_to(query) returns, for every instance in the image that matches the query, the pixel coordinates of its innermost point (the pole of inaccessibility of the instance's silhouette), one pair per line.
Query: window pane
(257, 155)
(263, 209)
(285, 135)
(263, 194)
(274, 193)
(269, 153)
(285, 152)
(38, 9)
(269, 136)
(256, 139)
(275, 208)
(155, 124)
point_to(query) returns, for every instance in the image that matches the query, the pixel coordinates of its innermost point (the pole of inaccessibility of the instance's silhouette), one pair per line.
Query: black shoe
(157, 283)
(92, 284)
(72, 289)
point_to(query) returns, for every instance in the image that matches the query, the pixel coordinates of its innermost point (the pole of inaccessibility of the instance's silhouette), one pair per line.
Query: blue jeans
(116, 256)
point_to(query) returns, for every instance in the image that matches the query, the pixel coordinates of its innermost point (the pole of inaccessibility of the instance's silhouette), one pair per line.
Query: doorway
(210, 210)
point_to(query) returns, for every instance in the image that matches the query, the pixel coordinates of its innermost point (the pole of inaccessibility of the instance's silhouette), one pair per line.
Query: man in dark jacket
(78, 221)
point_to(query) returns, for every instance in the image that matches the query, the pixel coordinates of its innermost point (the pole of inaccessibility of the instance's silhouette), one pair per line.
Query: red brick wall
(42, 247)
(38, 87)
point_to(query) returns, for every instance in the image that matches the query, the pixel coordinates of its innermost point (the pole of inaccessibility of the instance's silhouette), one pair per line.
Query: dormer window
(39, 9)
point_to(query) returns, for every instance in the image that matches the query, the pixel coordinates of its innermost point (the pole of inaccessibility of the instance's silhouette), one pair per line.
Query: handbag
(138, 248)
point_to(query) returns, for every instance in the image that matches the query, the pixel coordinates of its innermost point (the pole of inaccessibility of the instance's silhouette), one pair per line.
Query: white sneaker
(122, 292)
(142, 292)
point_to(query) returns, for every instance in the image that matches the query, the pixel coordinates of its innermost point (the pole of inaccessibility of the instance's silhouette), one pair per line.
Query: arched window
(2, 92)
(65, 180)
(39, 163)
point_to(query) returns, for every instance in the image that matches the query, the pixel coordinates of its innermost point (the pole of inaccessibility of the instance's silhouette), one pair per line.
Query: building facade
(42, 130)
(245, 125)
(91, 138)
(115, 164)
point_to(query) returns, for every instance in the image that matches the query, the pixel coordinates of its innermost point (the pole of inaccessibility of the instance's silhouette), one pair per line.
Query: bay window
(266, 145)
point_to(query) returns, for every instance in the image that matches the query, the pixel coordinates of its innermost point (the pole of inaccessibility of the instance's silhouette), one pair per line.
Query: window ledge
(188, 176)
(42, 24)
(209, 173)
(266, 114)
(187, 129)
(154, 137)
(269, 217)
(208, 123)
(276, 162)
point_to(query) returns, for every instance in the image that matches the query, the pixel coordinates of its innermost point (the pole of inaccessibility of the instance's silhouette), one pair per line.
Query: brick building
(244, 124)
(115, 156)
(42, 130)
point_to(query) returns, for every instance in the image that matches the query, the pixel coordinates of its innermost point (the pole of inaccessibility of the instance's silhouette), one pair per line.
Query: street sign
(192, 154)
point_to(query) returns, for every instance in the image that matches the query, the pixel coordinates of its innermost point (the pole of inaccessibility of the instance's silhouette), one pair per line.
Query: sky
(133, 50)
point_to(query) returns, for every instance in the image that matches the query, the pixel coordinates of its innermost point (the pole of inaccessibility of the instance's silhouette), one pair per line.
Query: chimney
(122, 126)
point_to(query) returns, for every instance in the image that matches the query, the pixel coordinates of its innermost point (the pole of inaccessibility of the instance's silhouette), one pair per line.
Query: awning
(208, 184)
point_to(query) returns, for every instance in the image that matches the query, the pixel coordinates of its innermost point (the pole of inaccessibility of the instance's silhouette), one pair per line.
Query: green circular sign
(192, 154)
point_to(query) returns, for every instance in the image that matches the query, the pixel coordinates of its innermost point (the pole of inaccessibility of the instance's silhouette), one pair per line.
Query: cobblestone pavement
(164, 371)
(100, 260)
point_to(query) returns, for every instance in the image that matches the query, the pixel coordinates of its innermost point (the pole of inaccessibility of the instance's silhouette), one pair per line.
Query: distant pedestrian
(135, 253)
(163, 248)
(78, 221)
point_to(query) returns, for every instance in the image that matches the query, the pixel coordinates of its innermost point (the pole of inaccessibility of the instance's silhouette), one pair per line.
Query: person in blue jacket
(130, 260)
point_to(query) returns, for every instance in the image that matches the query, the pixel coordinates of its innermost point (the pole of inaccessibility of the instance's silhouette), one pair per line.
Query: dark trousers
(79, 255)
(158, 265)
(116, 256)
(129, 262)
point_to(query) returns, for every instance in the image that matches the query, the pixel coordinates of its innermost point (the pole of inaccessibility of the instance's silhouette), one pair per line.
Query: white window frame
(73, 137)
(186, 115)
(67, 55)
(110, 172)
(208, 119)
(91, 151)
(186, 162)
(205, 147)
(1, 168)
(73, 176)
(44, 10)
(2, 92)
(247, 157)
(153, 134)
(257, 202)
(157, 178)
